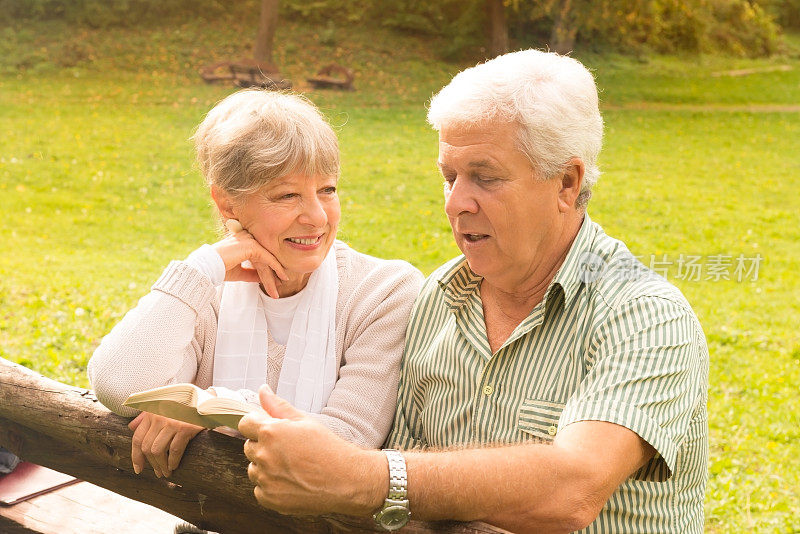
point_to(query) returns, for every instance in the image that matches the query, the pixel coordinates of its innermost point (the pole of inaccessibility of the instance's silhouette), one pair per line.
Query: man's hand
(161, 440)
(300, 467)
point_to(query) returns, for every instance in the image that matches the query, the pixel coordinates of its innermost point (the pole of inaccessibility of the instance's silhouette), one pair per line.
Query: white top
(280, 313)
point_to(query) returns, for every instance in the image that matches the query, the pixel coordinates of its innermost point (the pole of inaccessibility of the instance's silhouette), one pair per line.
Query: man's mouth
(475, 237)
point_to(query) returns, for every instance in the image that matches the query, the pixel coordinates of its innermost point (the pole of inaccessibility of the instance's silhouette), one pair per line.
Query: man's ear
(571, 183)
(223, 201)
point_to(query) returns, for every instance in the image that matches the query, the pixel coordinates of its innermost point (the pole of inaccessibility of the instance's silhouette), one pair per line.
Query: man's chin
(477, 264)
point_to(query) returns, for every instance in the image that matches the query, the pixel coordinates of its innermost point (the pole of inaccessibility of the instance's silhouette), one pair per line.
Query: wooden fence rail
(66, 429)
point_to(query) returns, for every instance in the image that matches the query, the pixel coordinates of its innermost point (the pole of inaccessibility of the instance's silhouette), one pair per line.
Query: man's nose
(459, 198)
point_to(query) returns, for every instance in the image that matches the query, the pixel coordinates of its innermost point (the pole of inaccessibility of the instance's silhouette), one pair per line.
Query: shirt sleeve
(644, 373)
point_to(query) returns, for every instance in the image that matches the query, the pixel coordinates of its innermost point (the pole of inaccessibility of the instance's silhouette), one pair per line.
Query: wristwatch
(394, 513)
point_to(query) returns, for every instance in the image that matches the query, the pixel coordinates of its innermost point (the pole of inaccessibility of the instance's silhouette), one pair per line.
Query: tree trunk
(267, 24)
(66, 429)
(498, 28)
(562, 38)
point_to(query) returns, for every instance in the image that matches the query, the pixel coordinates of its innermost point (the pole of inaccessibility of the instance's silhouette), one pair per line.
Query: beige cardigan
(169, 337)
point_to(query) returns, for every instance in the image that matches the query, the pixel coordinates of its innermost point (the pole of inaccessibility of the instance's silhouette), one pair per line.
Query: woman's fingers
(240, 247)
(160, 441)
(137, 454)
(240, 274)
(267, 279)
(233, 250)
(147, 448)
(160, 448)
(262, 266)
(133, 425)
(260, 255)
(178, 446)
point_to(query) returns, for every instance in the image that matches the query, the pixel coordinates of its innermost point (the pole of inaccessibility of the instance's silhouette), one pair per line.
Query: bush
(739, 27)
(743, 28)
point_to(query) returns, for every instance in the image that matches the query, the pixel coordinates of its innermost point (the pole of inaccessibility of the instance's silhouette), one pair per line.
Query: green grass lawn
(98, 191)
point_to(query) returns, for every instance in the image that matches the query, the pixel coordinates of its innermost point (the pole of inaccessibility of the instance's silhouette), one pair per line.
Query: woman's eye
(329, 190)
(287, 196)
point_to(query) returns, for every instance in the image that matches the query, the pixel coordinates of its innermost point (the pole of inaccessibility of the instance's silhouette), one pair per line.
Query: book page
(190, 404)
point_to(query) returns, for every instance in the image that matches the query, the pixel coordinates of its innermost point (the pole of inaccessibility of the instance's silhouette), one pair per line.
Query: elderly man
(550, 382)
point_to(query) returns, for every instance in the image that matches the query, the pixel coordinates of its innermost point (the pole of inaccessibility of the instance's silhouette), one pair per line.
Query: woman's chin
(298, 269)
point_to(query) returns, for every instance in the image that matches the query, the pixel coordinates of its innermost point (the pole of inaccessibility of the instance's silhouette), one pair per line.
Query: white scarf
(310, 365)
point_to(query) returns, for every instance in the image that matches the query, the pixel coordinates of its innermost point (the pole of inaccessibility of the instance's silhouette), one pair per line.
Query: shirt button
(552, 430)
(488, 390)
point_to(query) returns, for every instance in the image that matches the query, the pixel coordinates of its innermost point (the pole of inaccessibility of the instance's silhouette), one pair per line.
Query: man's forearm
(300, 467)
(533, 486)
(529, 487)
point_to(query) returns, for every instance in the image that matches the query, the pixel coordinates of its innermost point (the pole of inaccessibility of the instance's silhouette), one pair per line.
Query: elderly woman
(278, 300)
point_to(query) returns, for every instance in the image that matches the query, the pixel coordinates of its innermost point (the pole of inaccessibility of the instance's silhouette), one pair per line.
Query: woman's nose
(458, 199)
(314, 213)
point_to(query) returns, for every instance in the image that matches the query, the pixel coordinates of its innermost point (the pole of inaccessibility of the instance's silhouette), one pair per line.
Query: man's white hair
(553, 99)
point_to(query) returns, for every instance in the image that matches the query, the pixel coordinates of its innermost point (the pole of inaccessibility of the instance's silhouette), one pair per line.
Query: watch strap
(398, 478)
(394, 513)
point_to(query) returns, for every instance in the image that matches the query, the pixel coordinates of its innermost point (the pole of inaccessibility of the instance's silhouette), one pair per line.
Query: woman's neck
(294, 285)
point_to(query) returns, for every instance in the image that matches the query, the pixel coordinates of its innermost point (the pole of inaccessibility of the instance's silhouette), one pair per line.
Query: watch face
(394, 517)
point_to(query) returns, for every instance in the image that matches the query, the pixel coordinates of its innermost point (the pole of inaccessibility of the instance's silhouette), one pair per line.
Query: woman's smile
(305, 242)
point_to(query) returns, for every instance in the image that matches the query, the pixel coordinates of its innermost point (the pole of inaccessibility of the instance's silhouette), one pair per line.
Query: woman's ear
(571, 183)
(223, 201)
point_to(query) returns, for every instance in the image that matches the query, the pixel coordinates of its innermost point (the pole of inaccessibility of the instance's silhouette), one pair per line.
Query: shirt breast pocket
(538, 419)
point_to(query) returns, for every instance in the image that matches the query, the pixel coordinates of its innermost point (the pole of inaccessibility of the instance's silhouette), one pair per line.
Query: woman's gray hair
(552, 98)
(254, 136)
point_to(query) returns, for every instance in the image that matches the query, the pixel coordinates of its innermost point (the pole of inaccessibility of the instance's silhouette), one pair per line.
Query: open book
(190, 404)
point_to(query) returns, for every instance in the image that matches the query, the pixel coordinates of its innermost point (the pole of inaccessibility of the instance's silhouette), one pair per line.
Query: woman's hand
(241, 246)
(161, 440)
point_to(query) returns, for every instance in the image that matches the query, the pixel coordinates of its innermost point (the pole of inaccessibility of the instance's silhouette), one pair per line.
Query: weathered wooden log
(65, 428)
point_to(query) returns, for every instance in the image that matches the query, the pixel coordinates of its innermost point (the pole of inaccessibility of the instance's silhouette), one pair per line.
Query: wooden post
(67, 429)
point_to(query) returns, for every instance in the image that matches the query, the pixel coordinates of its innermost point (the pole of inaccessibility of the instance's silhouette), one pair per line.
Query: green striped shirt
(611, 341)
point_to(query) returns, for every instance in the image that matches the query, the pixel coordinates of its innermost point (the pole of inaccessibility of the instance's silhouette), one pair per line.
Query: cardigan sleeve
(361, 406)
(159, 342)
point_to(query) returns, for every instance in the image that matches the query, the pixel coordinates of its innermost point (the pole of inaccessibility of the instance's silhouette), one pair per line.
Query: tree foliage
(105, 14)
(742, 27)
(735, 26)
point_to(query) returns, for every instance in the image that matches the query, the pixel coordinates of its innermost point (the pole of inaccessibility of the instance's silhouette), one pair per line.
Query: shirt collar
(571, 274)
(458, 281)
